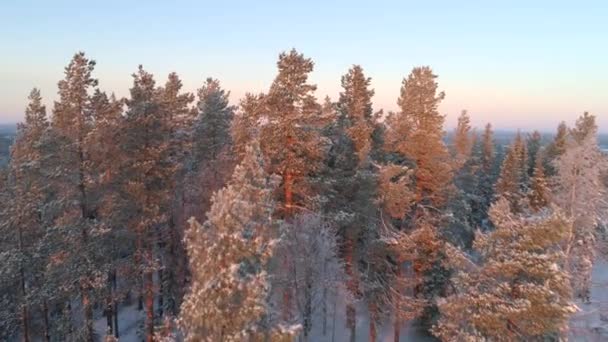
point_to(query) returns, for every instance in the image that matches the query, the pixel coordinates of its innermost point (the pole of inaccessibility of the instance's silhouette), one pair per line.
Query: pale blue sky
(518, 64)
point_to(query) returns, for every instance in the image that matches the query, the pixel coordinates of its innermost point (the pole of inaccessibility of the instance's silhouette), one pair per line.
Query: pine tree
(539, 194)
(355, 104)
(102, 146)
(289, 138)
(245, 126)
(520, 274)
(179, 118)
(534, 145)
(228, 296)
(579, 192)
(512, 182)
(22, 220)
(351, 181)
(416, 133)
(149, 177)
(556, 148)
(463, 140)
(488, 154)
(71, 121)
(212, 143)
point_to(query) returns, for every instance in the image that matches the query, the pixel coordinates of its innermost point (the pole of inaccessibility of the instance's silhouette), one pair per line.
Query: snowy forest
(173, 216)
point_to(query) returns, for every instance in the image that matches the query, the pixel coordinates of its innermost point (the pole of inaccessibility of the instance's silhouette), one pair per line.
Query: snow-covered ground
(588, 325)
(128, 319)
(591, 323)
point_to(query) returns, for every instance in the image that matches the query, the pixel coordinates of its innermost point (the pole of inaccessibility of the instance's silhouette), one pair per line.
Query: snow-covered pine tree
(416, 133)
(556, 148)
(289, 137)
(578, 190)
(229, 292)
(149, 179)
(534, 144)
(21, 223)
(511, 183)
(517, 288)
(463, 140)
(539, 195)
(246, 122)
(179, 117)
(350, 178)
(212, 144)
(77, 235)
(105, 158)
(356, 105)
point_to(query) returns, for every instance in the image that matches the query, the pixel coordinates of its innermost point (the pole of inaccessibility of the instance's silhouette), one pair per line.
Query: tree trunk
(45, 319)
(324, 310)
(351, 313)
(397, 327)
(372, 322)
(108, 311)
(24, 305)
(149, 301)
(114, 302)
(88, 313)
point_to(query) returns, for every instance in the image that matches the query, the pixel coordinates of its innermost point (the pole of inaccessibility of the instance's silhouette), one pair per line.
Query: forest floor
(590, 324)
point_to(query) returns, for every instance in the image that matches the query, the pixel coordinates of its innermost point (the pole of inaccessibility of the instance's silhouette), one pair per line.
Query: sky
(518, 64)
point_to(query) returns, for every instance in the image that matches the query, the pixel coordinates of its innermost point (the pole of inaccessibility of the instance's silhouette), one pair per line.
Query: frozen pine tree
(229, 253)
(148, 181)
(21, 223)
(463, 140)
(416, 134)
(211, 161)
(355, 104)
(578, 190)
(289, 137)
(516, 287)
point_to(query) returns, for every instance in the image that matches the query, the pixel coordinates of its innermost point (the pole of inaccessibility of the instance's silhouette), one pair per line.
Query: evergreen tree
(463, 140)
(534, 145)
(579, 192)
(228, 296)
(289, 138)
(539, 194)
(520, 274)
(148, 180)
(72, 120)
(556, 148)
(212, 143)
(355, 104)
(416, 132)
(512, 182)
(22, 222)
(179, 118)
(245, 126)
(102, 146)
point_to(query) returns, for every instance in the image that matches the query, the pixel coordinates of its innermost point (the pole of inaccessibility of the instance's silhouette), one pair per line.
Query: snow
(129, 319)
(591, 323)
